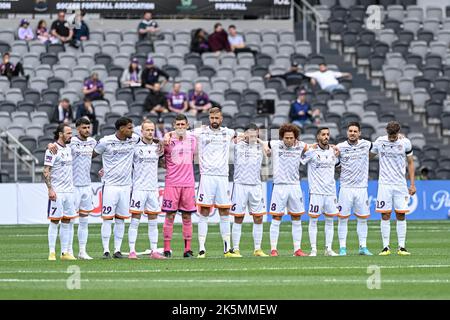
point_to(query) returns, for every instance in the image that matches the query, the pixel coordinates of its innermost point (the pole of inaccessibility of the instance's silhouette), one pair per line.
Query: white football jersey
(61, 172)
(214, 150)
(145, 166)
(392, 157)
(321, 167)
(354, 161)
(247, 163)
(117, 156)
(82, 160)
(286, 161)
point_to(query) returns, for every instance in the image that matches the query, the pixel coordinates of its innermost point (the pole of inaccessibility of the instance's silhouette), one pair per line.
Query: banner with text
(197, 8)
(27, 203)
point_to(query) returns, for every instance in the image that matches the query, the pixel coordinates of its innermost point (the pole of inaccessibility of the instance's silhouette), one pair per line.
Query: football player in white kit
(117, 152)
(145, 195)
(393, 192)
(82, 146)
(247, 190)
(59, 181)
(213, 143)
(287, 193)
(354, 175)
(321, 160)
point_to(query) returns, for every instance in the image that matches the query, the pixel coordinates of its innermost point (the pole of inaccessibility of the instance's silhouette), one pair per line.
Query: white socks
(385, 226)
(132, 233)
(342, 232)
(153, 233)
(257, 235)
(329, 232)
(297, 234)
(225, 231)
(202, 231)
(83, 232)
(52, 235)
(119, 231)
(106, 234)
(64, 237)
(361, 230)
(237, 230)
(274, 233)
(401, 233)
(312, 230)
(71, 233)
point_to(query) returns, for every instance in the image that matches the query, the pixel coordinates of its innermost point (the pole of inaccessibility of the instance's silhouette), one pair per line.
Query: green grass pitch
(25, 272)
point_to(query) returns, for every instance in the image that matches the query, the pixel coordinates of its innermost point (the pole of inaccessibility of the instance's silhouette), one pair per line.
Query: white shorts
(146, 202)
(356, 199)
(320, 203)
(115, 202)
(213, 191)
(83, 199)
(245, 197)
(62, 208)
(395, 195)
(287, 196)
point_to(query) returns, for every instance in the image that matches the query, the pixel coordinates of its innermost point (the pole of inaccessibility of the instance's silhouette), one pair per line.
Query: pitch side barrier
(26, 203)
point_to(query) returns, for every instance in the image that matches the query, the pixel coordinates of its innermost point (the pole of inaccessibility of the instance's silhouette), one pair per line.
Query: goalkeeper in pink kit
(179, 191)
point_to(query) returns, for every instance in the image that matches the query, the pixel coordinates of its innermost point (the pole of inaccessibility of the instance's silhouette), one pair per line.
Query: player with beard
(321, 160)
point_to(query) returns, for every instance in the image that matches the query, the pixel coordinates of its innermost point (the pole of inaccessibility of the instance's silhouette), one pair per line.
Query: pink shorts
(179, 199)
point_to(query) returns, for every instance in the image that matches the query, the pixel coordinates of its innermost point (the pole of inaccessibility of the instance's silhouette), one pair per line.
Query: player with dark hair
(117, 152)
(247, 190)
(321, 160)
(393, 192)
(179, 191)
(287, 193)
(59, 181)
(354, 175)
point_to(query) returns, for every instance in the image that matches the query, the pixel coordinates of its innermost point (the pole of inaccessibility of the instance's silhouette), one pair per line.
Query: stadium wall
(27, 203)
(164, 24)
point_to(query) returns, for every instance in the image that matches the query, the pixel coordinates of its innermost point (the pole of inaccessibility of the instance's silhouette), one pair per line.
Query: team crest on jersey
(48, 158)
(399, 147)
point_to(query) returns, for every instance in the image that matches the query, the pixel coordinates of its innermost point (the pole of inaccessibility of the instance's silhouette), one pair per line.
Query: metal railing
(308, 12)
(26, 158)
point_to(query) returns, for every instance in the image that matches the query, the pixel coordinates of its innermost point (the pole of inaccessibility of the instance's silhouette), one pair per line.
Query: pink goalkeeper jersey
(179, 156)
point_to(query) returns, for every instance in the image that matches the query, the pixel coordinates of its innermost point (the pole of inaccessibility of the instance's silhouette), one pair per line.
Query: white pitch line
(235, 281)
(222, 269)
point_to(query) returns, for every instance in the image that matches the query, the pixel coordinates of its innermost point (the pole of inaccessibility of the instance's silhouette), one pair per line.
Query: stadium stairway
(332, 56)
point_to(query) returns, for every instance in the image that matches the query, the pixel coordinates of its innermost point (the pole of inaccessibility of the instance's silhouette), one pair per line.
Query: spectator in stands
(93, 88)
(424, 172)
(218, 40)
(42, 33)
(86, 109)
(301, 112)
(131, 76)
(9, 70)
(177, 100)
(199, 100)
(293, 77)
(80, 30)
(236, 41)
(25, 31)
(150, 75)
(156, 101)
(63, 112)
(199, 42)
(60, 29)
(148, 28)
(327, 79)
